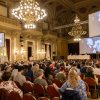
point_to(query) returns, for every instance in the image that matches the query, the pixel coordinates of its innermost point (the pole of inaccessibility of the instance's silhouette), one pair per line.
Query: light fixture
(29, 26)
(77, 30)
(29, 12)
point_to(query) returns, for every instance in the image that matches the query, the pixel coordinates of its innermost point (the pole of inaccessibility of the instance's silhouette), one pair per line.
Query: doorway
(29, 52)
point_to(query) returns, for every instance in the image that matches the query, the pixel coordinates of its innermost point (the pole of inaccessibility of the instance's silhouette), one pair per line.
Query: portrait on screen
(90, 45)
(97, 46)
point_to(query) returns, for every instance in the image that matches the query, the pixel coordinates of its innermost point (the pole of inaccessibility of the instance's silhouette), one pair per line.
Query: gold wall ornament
(77, 30)
(29, 12)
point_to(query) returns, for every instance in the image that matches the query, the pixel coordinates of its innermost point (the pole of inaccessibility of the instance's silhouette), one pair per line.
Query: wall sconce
(38, 52)
(22, 51)
(16, 52)
(41, 52)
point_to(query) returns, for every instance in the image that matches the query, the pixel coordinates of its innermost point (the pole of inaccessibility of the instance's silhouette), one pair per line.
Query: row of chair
(5, 95)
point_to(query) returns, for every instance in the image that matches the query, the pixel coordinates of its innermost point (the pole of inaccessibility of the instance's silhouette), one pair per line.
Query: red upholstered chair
(87, 89)
(38, 90)
(82, 76)
(0, 80)
(28, 96)
(27, 87)
(42, 98)
(55, 98)
(18, 84)
(51, 91)
(14, 96)
(4, 95)
(28, 79)
(90, 82)
(92, 87)
(98, 76)
(57, 82)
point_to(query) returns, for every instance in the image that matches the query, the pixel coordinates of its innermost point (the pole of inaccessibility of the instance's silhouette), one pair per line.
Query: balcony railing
(10, 21)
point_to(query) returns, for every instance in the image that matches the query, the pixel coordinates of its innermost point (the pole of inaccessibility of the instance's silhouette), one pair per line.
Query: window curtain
(8, 48)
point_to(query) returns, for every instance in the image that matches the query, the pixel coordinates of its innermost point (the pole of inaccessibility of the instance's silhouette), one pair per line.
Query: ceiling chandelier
(29, 12)
(77, 30)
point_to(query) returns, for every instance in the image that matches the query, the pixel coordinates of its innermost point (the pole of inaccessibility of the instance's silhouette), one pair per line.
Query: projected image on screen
(90, 45)
(1, 39)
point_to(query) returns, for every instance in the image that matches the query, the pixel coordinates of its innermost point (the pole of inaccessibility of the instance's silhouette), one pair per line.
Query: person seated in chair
(8, 84)
(20, 77)
(39, 79)
(61, 75)
(90, 73)
(74, 83)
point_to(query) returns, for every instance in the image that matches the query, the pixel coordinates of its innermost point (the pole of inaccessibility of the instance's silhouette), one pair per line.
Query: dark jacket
(71, 95)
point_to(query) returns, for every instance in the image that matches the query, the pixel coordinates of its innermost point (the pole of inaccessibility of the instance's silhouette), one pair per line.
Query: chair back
(18, 84)
(38, 90)
(57, 82)
(92, 87)
(27, 87)
(90, 81)
(52, 92)
(42, 98)
(14, 96)
(82, 76)
(28, 96)
(55, 98)
(87, 89)
(4, 94)
(98, 76)
(28, 78)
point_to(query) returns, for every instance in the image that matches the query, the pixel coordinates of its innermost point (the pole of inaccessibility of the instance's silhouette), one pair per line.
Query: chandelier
(29, 12)
(77, 30)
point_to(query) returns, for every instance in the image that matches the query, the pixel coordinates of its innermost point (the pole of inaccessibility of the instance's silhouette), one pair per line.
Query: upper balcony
(9, 23)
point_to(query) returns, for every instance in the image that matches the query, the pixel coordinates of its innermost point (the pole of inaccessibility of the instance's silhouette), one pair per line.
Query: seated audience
(8, 84)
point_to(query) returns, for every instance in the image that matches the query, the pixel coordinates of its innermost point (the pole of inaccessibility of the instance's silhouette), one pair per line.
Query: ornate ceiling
(62, 12)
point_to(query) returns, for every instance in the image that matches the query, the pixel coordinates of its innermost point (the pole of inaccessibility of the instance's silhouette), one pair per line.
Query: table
(81, 57)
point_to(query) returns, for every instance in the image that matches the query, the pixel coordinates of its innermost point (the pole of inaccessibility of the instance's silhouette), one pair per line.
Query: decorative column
(48, 52)
(12, 48)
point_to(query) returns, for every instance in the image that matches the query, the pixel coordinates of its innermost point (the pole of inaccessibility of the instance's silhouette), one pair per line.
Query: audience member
(61, 75)
(8, 84)
(20, 77)
(39, 79)
(74, 83)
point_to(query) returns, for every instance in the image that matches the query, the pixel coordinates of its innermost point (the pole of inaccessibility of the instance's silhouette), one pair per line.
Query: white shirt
(20, 78)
